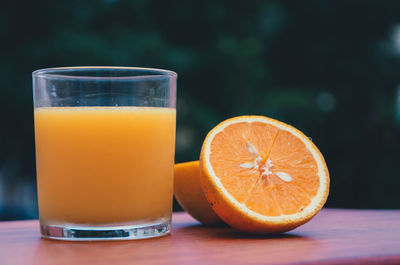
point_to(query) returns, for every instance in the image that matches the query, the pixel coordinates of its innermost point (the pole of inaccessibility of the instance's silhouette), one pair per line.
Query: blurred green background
(330, 68)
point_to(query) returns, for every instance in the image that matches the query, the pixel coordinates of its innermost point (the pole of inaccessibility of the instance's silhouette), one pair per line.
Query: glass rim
(53, 72)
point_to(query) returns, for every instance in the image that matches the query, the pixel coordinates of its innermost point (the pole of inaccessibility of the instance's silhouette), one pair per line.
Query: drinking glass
(105, 141)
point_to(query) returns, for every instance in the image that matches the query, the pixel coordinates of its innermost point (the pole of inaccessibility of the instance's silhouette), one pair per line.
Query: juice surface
(101, 165)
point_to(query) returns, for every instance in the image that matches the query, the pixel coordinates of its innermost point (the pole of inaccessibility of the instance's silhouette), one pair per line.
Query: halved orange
(188, 193)
(261, 175)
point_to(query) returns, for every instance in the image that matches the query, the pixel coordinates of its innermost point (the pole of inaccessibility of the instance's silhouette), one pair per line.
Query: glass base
(86, 233)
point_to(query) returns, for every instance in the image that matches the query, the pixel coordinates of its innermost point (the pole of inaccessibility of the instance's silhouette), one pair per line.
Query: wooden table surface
(333, 237)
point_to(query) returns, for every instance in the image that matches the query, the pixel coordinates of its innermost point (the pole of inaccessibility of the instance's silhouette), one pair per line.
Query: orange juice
(104, 165)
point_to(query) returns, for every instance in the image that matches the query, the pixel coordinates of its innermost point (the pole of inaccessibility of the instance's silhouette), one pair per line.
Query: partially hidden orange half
(261, 175)
(188, 193)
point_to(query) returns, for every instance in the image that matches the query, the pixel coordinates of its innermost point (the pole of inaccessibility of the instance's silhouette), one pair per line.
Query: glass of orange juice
(105, 141)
